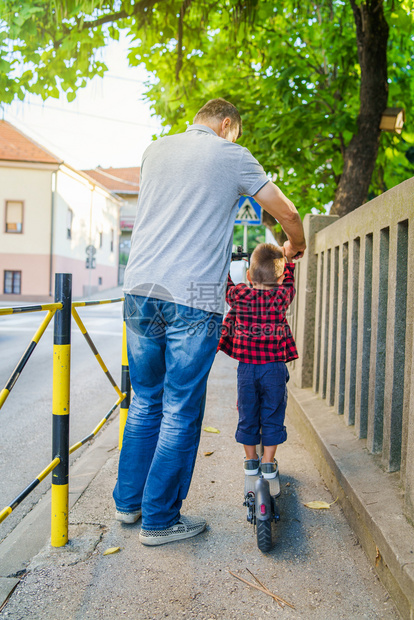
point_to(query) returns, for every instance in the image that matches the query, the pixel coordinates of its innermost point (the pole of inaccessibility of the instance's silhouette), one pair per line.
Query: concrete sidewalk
(316, 563)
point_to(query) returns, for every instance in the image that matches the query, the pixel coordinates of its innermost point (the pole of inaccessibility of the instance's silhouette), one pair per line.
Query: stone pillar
(408, 461)
(407, 457)
(302, 373)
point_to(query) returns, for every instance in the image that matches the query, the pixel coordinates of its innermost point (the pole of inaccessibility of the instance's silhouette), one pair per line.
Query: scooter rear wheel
(264, 535)
(263, 505)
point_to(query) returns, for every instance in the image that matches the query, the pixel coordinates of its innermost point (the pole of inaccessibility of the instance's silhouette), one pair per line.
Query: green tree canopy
(311, 79)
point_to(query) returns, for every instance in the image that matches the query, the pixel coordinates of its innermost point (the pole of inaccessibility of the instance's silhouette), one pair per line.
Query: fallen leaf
(112, 550)
(211, 429)
(319, 505)
(208, 453)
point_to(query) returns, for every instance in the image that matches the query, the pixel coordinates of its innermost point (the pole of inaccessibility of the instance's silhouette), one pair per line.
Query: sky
(108, 124)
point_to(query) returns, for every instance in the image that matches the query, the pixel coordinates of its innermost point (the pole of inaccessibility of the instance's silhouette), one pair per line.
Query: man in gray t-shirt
(174, 285)
(190, 187)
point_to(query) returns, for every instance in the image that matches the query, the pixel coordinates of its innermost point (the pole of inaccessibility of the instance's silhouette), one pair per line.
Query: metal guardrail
(63, 309)
(26, 355)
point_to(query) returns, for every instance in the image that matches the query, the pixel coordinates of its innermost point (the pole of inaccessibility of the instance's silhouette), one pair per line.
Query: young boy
(256, 333)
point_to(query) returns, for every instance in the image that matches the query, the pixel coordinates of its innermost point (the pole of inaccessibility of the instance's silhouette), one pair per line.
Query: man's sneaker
(127, 517)
(251, 467)
(269, 470)
(185, 528)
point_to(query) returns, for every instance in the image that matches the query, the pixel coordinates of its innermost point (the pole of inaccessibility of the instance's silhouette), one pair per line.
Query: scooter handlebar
(240, 255)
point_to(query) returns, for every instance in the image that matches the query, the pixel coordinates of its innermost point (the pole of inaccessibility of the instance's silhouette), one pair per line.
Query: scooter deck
(274, 485)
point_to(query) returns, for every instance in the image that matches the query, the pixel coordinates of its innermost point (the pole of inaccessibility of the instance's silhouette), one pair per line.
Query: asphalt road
(26, 417)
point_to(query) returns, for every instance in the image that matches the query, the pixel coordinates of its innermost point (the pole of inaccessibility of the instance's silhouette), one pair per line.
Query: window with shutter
(14, 216)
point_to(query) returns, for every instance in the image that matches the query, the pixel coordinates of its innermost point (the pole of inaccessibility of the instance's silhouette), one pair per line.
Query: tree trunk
(362, 151)
(270, 223)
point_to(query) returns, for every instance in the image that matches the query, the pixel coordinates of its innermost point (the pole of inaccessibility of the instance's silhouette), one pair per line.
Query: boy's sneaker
(251, 467)
(185, 528)
(269, 470)
(127, 517)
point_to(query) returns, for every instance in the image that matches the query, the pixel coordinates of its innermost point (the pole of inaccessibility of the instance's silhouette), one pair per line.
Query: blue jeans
(170, 351)
(261, 401)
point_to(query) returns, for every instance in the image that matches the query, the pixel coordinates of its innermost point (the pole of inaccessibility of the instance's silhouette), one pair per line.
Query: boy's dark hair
(219, 109)
(267, 264)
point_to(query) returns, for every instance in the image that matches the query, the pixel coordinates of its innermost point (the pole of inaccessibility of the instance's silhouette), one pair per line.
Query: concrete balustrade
(353, 320)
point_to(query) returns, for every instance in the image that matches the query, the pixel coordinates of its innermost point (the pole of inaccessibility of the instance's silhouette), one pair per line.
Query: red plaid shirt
(256, 330)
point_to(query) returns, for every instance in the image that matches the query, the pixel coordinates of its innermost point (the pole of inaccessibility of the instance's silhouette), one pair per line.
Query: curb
(372, 502)
(33, 531)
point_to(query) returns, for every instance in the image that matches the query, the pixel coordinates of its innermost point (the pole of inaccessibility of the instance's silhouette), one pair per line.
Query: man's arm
(273, 200)
(231, 291)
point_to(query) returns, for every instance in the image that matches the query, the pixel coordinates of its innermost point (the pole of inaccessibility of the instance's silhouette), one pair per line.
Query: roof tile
(117, 179)
(16, 146)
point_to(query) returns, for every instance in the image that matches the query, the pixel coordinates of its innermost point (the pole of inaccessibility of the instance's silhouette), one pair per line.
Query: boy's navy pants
(261, 401)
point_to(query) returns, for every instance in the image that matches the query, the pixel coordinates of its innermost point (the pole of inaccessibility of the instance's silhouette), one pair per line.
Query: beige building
(51, 213)
(124, 182)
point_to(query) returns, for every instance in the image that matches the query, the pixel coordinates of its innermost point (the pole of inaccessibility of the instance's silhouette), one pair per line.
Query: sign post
(90, 257)
(90, 263)
(245, 243)
(249, 214)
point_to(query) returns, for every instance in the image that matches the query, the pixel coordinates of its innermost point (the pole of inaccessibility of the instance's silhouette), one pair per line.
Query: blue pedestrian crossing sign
(249, 211)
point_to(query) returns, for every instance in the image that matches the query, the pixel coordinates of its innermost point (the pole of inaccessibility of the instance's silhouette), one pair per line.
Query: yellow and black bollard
(61, 407)
(125, 387)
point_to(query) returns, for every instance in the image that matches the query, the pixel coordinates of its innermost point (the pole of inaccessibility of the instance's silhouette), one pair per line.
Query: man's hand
(291, 253)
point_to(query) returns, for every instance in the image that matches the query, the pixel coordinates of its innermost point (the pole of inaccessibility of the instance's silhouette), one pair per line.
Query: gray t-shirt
(182, 238)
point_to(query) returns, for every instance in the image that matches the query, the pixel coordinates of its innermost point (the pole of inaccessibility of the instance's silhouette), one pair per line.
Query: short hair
(267, 264)
(219, 109)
